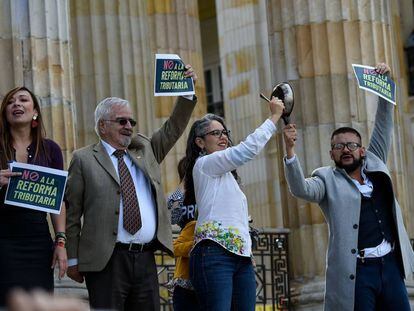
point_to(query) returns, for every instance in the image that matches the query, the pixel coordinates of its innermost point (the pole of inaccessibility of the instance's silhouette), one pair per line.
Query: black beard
(349, 168)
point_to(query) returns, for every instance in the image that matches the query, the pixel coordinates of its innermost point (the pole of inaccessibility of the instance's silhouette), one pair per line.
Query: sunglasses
(350, 145)
(218, 133)
(123, 121)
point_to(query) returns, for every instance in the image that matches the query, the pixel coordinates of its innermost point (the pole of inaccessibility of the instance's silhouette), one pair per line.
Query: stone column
(112, 57)
(174, 27)
(35, 49)
(114, 51)
(245, 63)
(114, 47)
(313, 44)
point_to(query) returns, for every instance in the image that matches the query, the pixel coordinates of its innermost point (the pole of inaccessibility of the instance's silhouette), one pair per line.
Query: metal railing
(270, 252)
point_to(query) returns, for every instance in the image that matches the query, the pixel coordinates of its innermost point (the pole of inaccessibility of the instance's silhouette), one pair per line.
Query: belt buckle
(361, 254)
(131, 249)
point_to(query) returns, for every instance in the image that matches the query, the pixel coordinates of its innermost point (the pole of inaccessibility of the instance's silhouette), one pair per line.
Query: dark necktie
(132, 216)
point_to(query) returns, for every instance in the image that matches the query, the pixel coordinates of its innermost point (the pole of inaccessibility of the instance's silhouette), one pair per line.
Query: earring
(34, 121)
(202, 152)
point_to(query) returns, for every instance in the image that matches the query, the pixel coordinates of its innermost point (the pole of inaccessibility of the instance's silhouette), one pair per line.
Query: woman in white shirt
(221, 268)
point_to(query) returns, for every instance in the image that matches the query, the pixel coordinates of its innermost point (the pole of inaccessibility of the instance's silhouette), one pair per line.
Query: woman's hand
(276, 107)
(61, 259)
(5, 176)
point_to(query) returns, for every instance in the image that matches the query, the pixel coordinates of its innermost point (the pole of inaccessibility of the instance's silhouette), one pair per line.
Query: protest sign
(169, 77)
(40, 188)
(370, 80)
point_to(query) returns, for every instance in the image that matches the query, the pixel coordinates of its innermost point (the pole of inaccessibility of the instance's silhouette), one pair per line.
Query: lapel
(137, 156)
(104, 160)
(373, 164)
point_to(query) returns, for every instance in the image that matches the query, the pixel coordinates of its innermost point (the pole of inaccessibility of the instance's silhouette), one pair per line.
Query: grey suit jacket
(340, 201)
(93, 192)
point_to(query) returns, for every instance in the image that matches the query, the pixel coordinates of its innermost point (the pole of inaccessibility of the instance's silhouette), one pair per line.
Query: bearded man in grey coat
(369, 253)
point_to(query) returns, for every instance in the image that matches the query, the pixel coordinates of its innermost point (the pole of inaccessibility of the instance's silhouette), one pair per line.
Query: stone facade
(74, 53)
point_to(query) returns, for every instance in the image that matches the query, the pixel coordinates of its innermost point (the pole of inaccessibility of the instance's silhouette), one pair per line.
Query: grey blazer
(93, 192)
(340, 201)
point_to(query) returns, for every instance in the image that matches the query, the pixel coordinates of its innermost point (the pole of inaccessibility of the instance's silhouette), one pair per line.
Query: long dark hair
(6, 141)
(193, 151)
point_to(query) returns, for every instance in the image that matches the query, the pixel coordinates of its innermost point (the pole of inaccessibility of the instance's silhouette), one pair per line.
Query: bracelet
(60, 235)
(60, 244)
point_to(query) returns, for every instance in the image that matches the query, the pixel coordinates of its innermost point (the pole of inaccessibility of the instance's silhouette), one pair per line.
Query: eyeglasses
(123, 121)
(218, 133)
(350, 145)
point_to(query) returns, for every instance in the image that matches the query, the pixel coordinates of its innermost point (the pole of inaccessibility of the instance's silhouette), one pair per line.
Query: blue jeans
(223, 281)
(380, 285)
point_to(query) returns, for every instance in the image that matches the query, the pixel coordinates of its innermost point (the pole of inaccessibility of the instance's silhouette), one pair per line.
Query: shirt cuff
(72, 262)
(189, 97)
(291, 160)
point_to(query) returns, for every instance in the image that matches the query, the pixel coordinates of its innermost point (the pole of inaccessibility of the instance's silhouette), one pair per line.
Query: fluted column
(112, 57)
(174, 27)
(245, 63)
(313, 45)
(114, 50)
(35, 49)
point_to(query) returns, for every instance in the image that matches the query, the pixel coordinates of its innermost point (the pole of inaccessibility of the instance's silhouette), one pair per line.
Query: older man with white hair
(115, 185)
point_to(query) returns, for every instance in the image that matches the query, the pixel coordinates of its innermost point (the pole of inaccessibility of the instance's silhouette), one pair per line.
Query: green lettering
(20, 185)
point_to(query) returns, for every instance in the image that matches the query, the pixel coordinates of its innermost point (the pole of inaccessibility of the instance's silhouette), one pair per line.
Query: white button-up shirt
(222, 205)
(145, 200)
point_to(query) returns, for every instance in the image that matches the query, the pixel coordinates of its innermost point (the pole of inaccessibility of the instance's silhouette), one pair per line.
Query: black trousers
(380, 285)
(128, 282)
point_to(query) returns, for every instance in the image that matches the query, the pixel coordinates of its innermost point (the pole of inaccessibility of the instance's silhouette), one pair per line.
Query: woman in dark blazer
(27, 252)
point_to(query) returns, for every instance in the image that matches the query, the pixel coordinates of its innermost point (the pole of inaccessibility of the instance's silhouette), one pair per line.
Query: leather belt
(372, 259)
(135, 247)
(361, 254)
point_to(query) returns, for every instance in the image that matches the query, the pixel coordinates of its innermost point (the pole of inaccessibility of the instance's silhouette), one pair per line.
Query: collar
(364, 176)
(109, 149)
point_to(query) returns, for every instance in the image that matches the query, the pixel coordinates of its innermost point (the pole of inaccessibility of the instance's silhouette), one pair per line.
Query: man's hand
(190, 73)
(74, 274)
(290, 136)
(383, 69)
